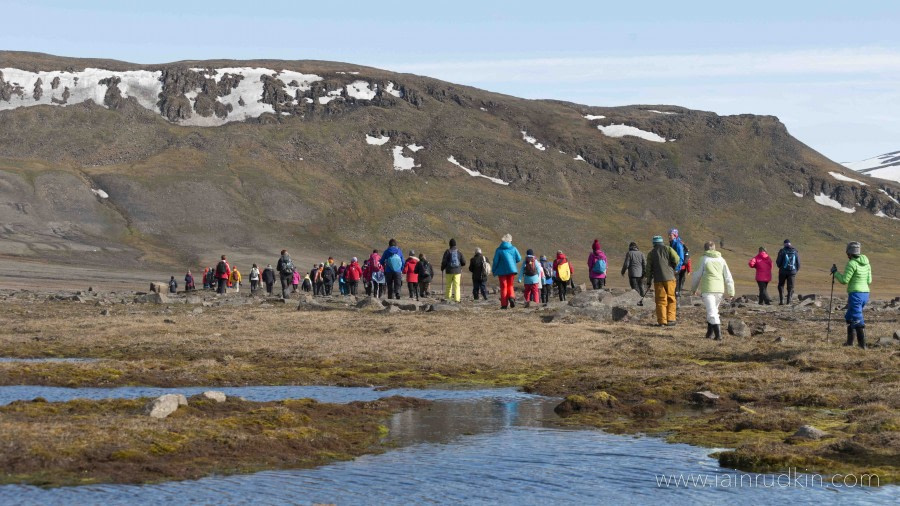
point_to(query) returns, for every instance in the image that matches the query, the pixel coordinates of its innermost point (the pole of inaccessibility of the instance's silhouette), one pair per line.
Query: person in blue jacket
(504, 266)
(392, 261)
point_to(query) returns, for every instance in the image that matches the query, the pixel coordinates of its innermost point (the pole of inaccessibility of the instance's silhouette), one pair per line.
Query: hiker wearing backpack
(189, 282)
(412, 279)
(563, 269)
(223, 273)
(763, 265)
(683, 267)
(788, 262)
(205, 278)
(481, 270)
(661, 263)
(392, 261)
(211, 278)
(306, 284)
(329, 282)
(426, 274)
(857, 276)
(367, 278)
(532, 274)
(505, 267)
(235, 279)
(352, 275)
(268, 277)
(254, 279)
(452, 264)
(295, 281)
(597, 266)
(634, 266)
(714, 280)
(285, 268)
(547, 285)
(378, 276)
(173, 285)
(328, 275)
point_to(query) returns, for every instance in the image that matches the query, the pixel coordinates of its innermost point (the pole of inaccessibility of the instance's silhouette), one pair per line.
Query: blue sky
(830, 70)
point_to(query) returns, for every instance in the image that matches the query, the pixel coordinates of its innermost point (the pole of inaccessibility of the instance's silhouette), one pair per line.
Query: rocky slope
(119, 164)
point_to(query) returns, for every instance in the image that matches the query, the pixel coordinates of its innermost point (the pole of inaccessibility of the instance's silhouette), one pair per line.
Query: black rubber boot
(861, 337)
(850, 336)
(709, 330)
(789, 297)
(717, 330)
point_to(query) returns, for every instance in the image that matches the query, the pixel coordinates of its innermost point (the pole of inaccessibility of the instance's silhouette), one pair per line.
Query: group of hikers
(665, 268)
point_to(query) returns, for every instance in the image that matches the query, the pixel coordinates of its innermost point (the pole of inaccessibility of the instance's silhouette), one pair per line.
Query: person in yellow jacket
(235, 279)
(714, 279)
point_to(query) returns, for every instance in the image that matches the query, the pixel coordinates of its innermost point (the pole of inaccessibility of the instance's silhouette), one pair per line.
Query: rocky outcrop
(165, 405)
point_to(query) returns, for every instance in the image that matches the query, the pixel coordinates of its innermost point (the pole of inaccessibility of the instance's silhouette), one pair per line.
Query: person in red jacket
(352, 275)
(563, 269)
(763, 265)
(223, 273)
(412, 279)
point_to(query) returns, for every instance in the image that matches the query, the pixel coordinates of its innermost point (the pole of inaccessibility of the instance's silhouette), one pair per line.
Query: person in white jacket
(714, 280)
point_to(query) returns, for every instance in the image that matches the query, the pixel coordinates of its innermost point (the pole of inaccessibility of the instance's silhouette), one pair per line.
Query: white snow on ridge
(100, 193)
(377, 141)
(592, 117)
(798, 194)
(880, 214)
(625, 130)
(841, 177)
(531, 140)
(889, 196)
(827, 201)
(579, 158)
(414, 147)
(403, 162)
(661, 112)
(475, 173)
(393, 91)
(362, 90)
(886, 166)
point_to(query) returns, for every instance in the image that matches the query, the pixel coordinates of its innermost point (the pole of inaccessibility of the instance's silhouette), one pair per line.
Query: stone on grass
(370, 304)
(157, 298)
(897, 334)
(810, 432)
(214, 395)
(738, 328)
(705, 397)
(586, 298)
(165, 405)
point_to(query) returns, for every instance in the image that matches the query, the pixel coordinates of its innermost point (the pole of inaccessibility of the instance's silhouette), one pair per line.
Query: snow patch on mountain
(625, 130)
(886, 166)
(414, 147)
(475, 173)
(661, 112)
(362, 90)
(389, 88)
(841, 177)
(377, 141)
(592, 117)
(531, 140)
(827, 201)
(100, 193)
(798, 194)
(889, 196)
(880, 214)
(403, 162)
(579, 158)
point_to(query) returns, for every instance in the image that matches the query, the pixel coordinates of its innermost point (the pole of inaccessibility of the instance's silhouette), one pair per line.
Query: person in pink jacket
(597, 266)
(763, 265)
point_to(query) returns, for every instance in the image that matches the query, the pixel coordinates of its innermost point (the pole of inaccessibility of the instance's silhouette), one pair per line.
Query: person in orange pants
(505, 267)
(661, 263)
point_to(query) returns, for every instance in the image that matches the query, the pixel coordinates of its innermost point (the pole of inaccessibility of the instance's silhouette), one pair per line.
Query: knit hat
(787, 242)
(596, 245)
(854, 248)
(452, 243)
(674, 231)
(354, 259)
(412, 253)
(632, 245)
(657, 239)
(507, 238)
(530, 253)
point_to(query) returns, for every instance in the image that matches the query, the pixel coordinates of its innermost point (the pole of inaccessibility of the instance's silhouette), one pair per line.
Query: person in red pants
(533, 275)
(505, 267)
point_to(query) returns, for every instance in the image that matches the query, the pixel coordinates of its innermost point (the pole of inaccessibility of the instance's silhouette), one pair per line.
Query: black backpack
(221, 268)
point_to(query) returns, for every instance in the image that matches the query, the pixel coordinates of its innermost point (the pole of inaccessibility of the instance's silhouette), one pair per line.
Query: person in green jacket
(661, 263)
(857, 276)
(714, 279)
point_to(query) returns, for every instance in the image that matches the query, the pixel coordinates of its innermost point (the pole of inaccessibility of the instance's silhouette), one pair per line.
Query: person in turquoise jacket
(857, 276)
(504, 266)
(534, 281)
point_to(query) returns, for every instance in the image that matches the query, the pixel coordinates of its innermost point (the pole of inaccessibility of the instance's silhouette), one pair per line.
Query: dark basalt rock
(7, 90)
(65, 97)
(113, 98)
(38, 92)
(54, 83)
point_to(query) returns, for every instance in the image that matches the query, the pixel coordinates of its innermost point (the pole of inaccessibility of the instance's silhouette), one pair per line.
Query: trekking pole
(830, 304)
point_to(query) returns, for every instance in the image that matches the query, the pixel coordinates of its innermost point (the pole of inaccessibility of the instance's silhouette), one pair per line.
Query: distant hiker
(319, 280)
(173, 285)
(235, 279)
(206, 278)
(189, 282)
(412, 279)
(329, 274)
(268, 277)
(285, 268)
(532, 274)
(714, 280)
(563, 269)
(547, 285)
(211, 278)
(452, 264)
(857, 276)
(223, 273)
(392, 261)
(352, 275)
(295, 281)
(762, 262)
(634, 266)
(376, 272)
(255, 278)
(661, 263)
(684, 263)
(597, 266)
(306, 284)
(505, 267)
(481, 271)
(426, 274)
(342, 281)
(788, 263)
(367, 278)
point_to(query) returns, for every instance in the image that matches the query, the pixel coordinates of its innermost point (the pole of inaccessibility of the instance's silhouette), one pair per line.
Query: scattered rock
(738, 328)
(165, 405)
(585, 403)
(197, 310)
(779, 339)
(158, 287)
(370, 304)
(105, 312)
(810, 432)
(214, 395)
(169, 320)
(155, 298)
(443, 307)
(897, 335)
(390, 308)
(586, 298)
(745, 409)
(705, 397)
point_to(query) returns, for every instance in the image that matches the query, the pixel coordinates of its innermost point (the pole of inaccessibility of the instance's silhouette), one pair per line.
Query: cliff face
(198, 157)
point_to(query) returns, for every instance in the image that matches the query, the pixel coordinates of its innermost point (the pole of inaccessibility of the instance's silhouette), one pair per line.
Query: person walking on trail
(481, 270)
(857, 276)
(635, 264)
(412, 279)
(762, 262)
(426, 274)
(367, 278)
(452, 264)
(295, 281)
(788, 263)
(189, 282)
(714, 280)
(342, 279)
(376, 270)
(532, 274)
(306, 285)
(173, 285)
(268, 277)
(563, 269)
(285, 268)
(352, 275)
(319, 280)
(661, 263)
(206, 278)
(235, 279)
(329, 284)
(505, 267)
(328, 274)
(597, 266)
(223, 273)
(683, 267)
(255, 278)
(547, 284)
(392, 261)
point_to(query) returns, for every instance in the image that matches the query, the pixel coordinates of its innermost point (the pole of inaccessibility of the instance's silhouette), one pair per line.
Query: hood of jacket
(561, 256)
(712, 254)
(505, 245)
(762, 254)
(861, 260)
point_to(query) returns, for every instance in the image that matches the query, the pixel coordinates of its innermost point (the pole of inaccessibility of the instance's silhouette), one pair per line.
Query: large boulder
(738, 328)
(165, 405)
(705, 397)
(370, 304)
(214, 395)
(629, 298)
(586, 298)
(810, 432)
(157, 287)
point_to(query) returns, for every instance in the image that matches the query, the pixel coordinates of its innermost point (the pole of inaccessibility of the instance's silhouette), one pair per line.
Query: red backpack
(530, 267)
